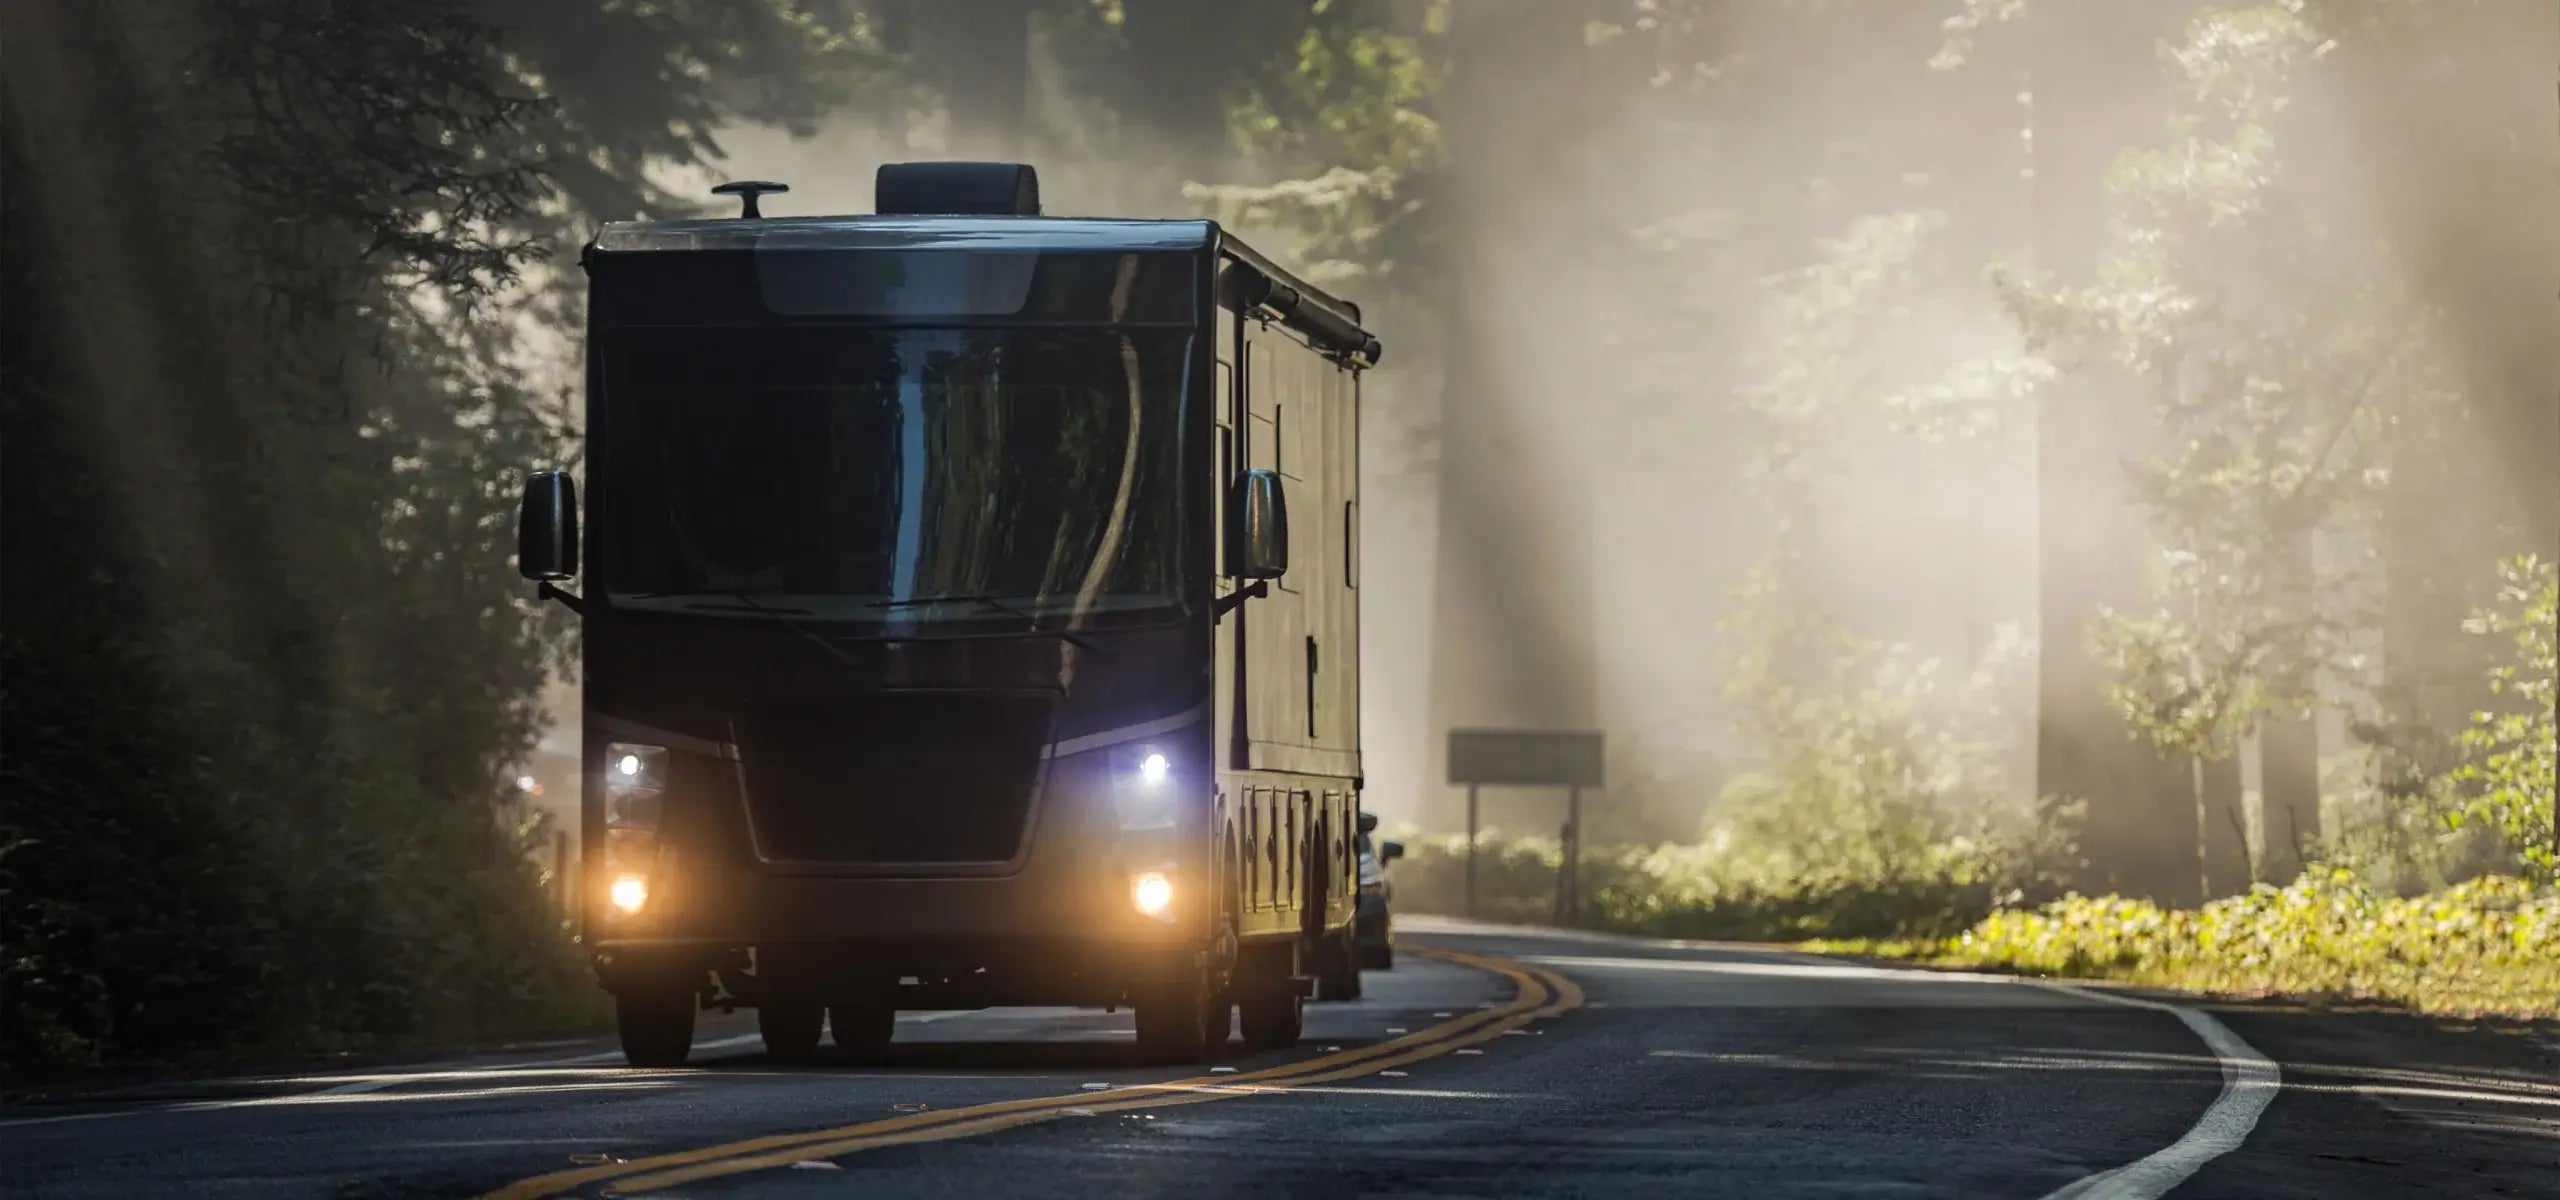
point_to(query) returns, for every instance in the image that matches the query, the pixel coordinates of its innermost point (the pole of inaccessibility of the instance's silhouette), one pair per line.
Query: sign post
(1572, 864)
(1471, 850)
(1569, 759)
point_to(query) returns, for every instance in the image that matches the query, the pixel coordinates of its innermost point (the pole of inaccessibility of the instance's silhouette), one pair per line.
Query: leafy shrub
(2419, 809)
(1778, 864)
(186, 879)
(1515, 874)
(1876, 814)
(2508, 783)
(2490, 945)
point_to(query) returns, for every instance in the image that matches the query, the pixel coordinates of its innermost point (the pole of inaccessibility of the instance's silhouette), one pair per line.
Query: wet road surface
(1512, 1062)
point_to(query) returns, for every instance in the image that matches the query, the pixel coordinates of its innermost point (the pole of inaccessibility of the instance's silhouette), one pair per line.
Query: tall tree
(2088, 97)
(267, 387)
(1513, 635)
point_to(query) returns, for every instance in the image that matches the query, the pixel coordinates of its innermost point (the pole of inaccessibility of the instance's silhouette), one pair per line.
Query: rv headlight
(1152, 894)
(1143, 788)
(633, 778)
(630, 763)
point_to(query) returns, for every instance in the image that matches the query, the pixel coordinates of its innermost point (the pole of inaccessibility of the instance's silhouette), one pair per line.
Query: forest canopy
(2049, 444)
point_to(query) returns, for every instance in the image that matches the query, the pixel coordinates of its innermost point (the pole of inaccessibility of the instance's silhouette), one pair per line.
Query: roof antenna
(747, 190)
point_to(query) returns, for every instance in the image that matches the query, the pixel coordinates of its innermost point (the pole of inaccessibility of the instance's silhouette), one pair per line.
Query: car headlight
(629, 892)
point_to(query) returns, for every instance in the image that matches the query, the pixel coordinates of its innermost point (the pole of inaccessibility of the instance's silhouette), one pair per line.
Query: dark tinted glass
(845, 471)
(895, 286)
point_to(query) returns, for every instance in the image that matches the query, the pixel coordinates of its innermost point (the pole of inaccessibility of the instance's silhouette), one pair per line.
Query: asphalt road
(1524, 1063)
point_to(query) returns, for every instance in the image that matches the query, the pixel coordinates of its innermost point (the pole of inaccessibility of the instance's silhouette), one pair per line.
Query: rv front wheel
(655, 1022)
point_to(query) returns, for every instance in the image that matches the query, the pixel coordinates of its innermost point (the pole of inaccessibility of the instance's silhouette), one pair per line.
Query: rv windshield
(844, 473)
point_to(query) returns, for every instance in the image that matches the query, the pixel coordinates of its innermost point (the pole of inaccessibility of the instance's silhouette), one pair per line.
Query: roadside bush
(2507, 785)
(1775, 865)
(1515, 874)
(2421, 808)
(1811, 858)
(2466, 827)
(1876, 814)
(185, 881)
(2488, 946)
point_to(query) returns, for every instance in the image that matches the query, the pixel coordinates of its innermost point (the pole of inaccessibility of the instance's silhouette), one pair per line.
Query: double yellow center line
(1541, 993)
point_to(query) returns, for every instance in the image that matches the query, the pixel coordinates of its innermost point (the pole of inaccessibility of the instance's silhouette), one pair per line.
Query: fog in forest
(1649, 231)
(1957, 451)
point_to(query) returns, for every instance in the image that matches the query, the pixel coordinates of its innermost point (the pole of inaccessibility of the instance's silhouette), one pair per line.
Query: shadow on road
(1101, 1053)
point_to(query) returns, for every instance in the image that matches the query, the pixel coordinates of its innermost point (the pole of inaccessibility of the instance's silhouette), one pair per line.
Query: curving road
(1507, 1062)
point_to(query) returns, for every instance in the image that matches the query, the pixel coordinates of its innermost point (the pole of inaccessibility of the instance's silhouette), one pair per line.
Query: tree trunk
(1513, 637)
(2225, 826)
(2139, 832)
(2289, 744)
(2288, 795)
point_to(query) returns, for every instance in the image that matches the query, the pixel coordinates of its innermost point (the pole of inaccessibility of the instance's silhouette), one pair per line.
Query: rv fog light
(630, 892)
(1152, 893)
(1153, 768)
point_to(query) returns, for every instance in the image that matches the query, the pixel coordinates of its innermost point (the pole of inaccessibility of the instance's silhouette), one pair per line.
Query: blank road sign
(1525, 757)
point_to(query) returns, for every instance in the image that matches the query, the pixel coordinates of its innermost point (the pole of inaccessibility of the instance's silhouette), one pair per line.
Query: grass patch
(2488, 947)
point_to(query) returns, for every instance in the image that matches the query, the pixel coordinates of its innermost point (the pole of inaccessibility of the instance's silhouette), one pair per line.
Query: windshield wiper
(745, 606)
(1078, 640)
(779, 614)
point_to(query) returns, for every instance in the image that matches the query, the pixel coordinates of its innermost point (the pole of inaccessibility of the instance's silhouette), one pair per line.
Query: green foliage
(1965, 30)
(1515, 874)
(1833, 855)
(1877, 806)
(2488, 946)
(2419, 818)
(2280, 356)
(1776, 864)
(227, 889)
(272, 371)
(1847, 387)
(2507, 785)
(1340, 126)
(1349, 89)
(2402, 833)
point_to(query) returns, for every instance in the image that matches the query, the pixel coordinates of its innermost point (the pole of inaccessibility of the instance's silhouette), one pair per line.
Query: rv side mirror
(1390, 851)
(1368, 822)
(1258, 527)
(547, 528)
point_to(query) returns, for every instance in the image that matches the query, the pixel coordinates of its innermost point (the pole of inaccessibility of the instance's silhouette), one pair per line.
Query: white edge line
(607, 1056)
(2250, 1080)
(2249, 1083)
(424, 1073)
